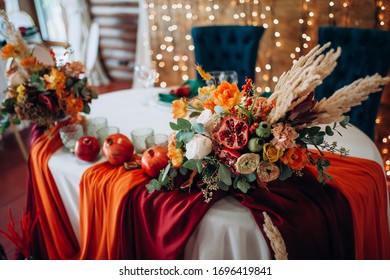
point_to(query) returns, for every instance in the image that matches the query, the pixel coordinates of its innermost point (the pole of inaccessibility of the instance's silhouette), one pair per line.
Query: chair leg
(19, 140)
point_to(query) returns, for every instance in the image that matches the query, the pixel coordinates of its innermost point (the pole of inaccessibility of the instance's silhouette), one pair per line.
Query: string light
(380, 14)
(331, 20)
(171, 21)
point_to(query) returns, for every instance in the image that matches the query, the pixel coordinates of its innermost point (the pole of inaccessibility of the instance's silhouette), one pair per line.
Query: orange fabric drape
(363, 183)
(102, 190)
(103, 187)
(57, 231)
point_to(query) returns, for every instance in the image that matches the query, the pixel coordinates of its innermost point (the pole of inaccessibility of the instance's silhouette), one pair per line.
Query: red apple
(87, 148)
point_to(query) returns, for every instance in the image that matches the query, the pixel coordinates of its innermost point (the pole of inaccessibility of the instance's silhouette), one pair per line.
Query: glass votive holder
(157, 140)
(231, 77)
(103, 132)
(70, 134)
(217, 78)
(94, 124)
(138, 136)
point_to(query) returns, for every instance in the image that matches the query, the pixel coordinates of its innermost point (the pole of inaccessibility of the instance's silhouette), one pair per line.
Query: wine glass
(231, 77)
(146, 74)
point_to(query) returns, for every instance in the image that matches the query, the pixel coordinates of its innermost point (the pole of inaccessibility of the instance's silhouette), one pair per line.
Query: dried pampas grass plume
(273, 234)
(303, 77)
(13, 36)
(332, 109)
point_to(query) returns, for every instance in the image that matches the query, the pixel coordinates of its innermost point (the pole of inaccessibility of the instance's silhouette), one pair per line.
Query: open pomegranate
(154, 159)
(233, 133)
(229, 158)
(117, 148)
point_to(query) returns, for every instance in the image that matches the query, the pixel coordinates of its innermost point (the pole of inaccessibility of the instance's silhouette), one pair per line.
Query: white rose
(199, 147)
(208, 119)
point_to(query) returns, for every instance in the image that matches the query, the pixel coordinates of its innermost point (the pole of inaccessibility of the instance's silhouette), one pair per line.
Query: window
(51, 21)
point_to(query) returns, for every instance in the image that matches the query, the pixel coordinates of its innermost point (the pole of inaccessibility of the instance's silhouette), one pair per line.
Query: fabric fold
(119, 219)
(54, 231)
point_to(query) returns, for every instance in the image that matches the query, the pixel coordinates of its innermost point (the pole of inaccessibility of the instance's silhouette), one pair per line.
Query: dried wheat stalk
(13, 36)
(303, 77)
(332, 109)
(273, 234)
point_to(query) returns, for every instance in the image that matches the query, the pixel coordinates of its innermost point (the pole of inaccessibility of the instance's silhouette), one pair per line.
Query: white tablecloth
(228, 230)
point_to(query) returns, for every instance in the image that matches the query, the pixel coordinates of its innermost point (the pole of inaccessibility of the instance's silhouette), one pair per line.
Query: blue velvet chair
(227, 48)
(364, 52)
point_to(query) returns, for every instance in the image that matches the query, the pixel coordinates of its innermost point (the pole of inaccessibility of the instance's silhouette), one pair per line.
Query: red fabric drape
(102, 189)
(344, 220)
(158, 225)
(119, 219)
(54, 231)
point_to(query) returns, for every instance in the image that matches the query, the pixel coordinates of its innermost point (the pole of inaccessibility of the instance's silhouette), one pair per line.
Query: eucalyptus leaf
(164, 177)
(317, 140)
(194, 114)
(250, 177)
(199, 165)
(184, 136)
(243, 186)
(285, 172)
(37, 82)
(329, 130)
(314, 130)
(173, 173)
(191, 164)
(198, 127)
(173, 126)
(345, 121)
(183, 124)
(86, 108)
(223, 186)
(153, 185)
(224, 174)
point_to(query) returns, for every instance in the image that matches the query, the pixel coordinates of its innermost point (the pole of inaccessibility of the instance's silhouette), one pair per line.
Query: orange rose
(73, 105)
(8, 51)
(179, 109)
(296, 158)
(227, 95)
(209, 104)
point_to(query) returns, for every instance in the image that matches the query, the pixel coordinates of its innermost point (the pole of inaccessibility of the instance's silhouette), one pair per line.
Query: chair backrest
(92, 47)
(227, 48)
(364, 52)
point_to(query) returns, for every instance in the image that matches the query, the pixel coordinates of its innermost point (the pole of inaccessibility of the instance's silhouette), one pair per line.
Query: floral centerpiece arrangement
(230, 138)
(36, 92)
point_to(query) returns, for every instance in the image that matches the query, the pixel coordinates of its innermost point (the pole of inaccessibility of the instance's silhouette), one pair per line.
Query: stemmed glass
(146, 74)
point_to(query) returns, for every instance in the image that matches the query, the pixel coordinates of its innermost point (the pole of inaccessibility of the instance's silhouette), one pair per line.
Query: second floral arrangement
(230, 138)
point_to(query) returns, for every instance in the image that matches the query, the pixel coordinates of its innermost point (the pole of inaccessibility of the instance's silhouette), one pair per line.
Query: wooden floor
(13, 170)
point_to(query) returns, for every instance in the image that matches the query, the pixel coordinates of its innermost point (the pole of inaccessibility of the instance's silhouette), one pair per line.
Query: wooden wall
(118, 20)
(281, 17)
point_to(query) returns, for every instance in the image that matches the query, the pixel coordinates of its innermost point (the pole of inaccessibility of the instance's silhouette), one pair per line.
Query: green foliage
(153, 185)
(241, 183)
(285, 172)
(38, 83)
(224, 174)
